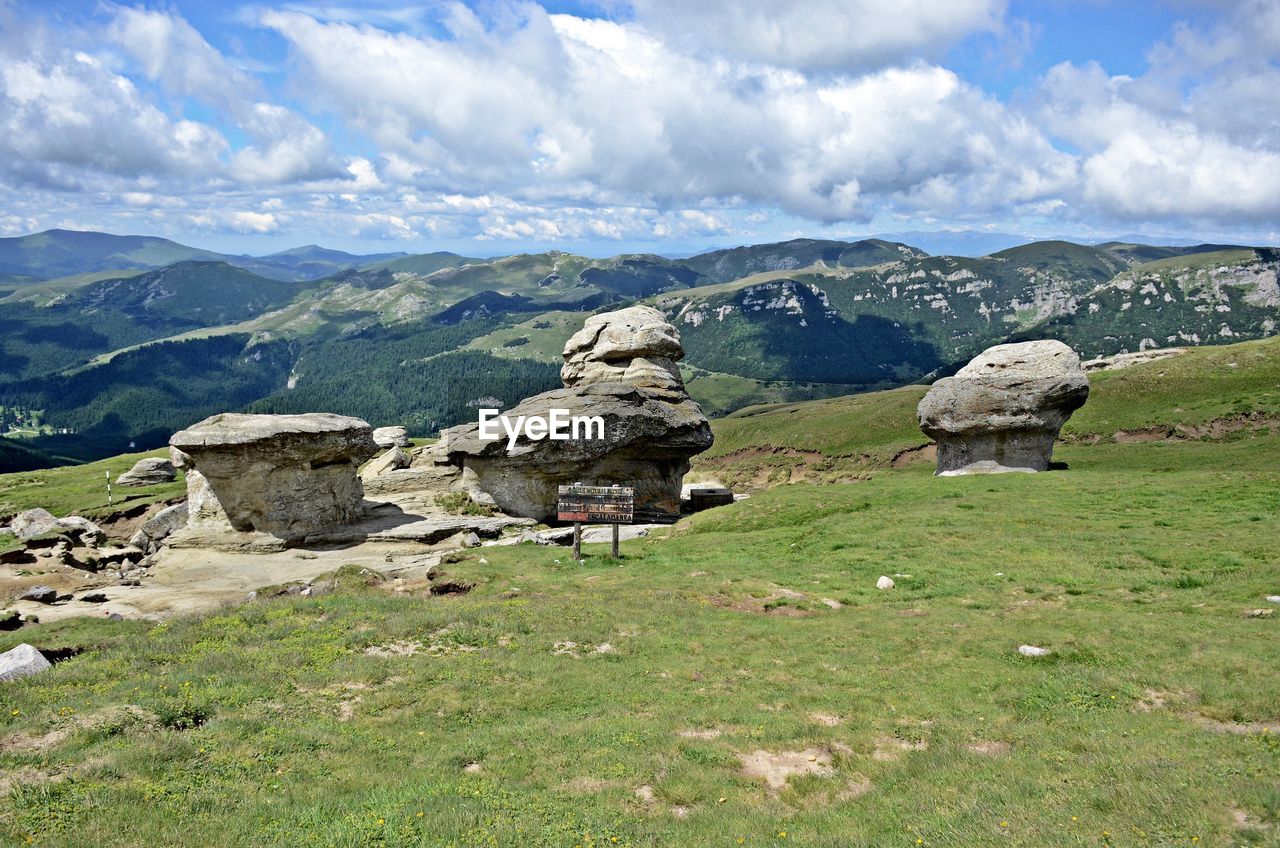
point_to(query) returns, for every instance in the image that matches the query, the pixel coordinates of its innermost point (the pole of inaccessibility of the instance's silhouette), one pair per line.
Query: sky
(612, 126)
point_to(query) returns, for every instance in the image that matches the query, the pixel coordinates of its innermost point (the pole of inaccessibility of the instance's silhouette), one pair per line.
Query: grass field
(280, 723)
(80, 489)
(633, 702)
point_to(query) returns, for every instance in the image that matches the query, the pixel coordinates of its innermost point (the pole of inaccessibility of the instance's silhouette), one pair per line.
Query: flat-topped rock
(284, 475)
(1003, 411)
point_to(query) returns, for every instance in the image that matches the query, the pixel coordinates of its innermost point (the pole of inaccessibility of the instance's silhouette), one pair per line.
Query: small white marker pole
(107, 474)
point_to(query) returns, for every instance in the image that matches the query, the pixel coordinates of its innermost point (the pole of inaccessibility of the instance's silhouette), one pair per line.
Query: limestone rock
(393, 460)
(38, 522)
(22, 661)
(1002, 411)
(621, 368)
(885, 582)
(33, 522)
(1033, 651)
(151, 471)
(391, 437)
(157, 528)
(284, 475)
(635, 345)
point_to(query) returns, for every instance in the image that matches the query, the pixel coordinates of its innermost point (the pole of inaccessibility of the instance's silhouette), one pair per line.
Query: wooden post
(577, 541)
(107, 474)
(615, 541)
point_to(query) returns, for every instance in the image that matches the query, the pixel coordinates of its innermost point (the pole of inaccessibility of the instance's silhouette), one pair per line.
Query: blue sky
(638, 125)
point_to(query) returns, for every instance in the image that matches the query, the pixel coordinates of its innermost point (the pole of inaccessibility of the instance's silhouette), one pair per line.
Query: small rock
(94, 598)
(115, 616)
(33, 522)
(483, 561)
(1273, 599)
(471, 540)
(1033, 651)
(1259, 613)
(39, 594)
(252, 596)
(22, 661)
(885, 582)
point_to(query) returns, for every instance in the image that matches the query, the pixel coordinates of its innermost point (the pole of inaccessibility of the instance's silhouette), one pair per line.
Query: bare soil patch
(776, 768)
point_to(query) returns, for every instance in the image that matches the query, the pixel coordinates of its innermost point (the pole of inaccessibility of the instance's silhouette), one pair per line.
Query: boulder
(39, 594)
(22, 661)
(151, 471)
(40, 522)
(157, 528)
(1002, 411)
(621, 368)
(33, 522)
(283, 475)
(391, 437)
(393, 460)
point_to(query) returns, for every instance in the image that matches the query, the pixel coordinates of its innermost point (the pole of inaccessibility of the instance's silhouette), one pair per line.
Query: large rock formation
(150, 471)
(392, 437)
(286, 475)
(621, 368)
(1003, 411)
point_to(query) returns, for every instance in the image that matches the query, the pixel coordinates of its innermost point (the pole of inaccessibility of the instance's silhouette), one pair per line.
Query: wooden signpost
(595, 505)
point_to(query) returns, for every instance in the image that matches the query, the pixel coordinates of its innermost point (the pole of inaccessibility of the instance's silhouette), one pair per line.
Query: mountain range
(112, 341)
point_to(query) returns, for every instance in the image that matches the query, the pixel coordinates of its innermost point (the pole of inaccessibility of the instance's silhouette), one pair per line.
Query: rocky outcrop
(285, 475)
(1124, 360)
(157, 528)
(620, 368)
(1003, 411)
(392, 460)
(391, 437)
(39, 522)
(151, 471)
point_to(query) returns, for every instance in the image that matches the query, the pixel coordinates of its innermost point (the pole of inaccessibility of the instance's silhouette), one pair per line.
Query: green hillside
(59, 253)
(721, 266)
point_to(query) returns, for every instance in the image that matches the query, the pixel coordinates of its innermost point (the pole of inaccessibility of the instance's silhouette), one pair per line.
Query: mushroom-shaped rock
(285, 475)
(151, 471)
(1003, 411)
(391, 437)
(635, 345)
(619, 370)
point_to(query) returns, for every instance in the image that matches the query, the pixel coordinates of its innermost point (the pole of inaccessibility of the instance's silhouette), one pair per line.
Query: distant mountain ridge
(127, 355)
(64, 253)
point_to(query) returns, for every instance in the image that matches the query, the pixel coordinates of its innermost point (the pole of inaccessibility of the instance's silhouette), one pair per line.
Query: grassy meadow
(651, 701)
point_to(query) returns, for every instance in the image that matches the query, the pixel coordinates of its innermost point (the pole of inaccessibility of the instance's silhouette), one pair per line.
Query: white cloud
(819, 34)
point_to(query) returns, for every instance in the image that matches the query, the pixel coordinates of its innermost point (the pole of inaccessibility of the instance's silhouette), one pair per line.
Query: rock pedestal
(285, 475)
(1002, 411)
(392, 437)
(622, 368)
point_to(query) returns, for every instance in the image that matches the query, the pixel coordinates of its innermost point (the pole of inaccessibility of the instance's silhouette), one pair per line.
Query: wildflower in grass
(17, 712)
(1004, 824)
(782, 834)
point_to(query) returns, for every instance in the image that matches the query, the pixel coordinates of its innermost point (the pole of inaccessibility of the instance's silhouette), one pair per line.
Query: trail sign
(596, 504)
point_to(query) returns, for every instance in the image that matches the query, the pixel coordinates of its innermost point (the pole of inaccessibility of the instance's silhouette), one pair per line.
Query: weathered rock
(393, 460)
(40, 522)
(885, 582)
(10, 620)
(94, 598)
(22, 661)
(391, 437)
(151, 471)
(1033, 651)
(33, 522)
(1124, 360)
(635, 345)
(156, 529)
(283, 475)
(620, 368)
(1003, 411)
(39, 594)
(82, 529)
